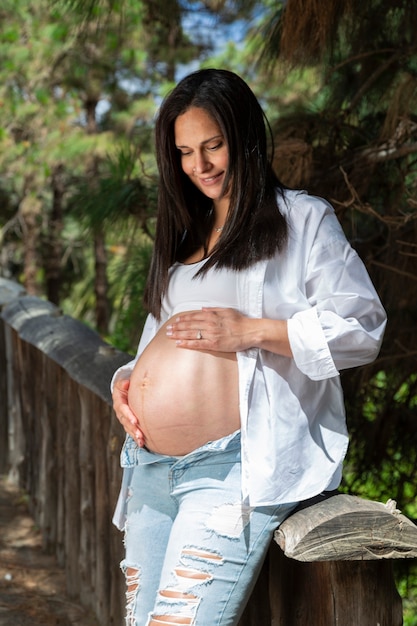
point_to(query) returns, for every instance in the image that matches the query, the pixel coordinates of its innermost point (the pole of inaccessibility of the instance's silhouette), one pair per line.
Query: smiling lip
(211, 180)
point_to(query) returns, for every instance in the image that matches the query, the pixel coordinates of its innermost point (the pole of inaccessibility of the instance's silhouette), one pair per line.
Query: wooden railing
(330, 564)
(60, 442)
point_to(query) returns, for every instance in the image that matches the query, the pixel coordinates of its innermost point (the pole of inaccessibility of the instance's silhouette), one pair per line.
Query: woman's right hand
(124, 414)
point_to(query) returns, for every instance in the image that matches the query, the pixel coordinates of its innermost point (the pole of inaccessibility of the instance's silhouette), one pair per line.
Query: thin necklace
(219, 230)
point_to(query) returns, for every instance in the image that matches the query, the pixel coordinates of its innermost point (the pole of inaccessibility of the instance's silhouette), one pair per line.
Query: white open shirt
(293, 427)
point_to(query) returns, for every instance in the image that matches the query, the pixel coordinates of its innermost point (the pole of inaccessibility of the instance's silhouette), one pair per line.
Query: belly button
(145, 380)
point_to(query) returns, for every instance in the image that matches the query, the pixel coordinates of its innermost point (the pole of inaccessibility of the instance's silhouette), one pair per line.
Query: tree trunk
(30, 211)
(53, 247)
(101, 283)
(102, 307)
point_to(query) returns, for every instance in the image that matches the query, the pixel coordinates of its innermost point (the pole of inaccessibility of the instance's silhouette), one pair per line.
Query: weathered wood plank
(89, 360)
(334, 593)
(346, 527)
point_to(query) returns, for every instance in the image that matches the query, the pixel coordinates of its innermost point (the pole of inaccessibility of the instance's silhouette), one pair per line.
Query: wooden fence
(331, 563)
(60, 442)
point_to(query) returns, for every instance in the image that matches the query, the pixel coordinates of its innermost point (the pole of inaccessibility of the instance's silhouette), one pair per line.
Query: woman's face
(204, 153)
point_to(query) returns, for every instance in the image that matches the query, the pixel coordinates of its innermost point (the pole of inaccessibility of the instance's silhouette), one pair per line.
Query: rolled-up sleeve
(309, 346)
(344, 322)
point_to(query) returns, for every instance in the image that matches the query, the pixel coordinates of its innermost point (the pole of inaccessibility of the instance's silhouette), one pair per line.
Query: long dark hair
(255, 229)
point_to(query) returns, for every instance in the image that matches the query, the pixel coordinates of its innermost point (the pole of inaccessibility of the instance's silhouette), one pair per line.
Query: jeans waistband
(133, 455)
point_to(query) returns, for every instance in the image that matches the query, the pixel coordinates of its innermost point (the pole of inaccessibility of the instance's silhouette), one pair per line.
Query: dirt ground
(32, 586)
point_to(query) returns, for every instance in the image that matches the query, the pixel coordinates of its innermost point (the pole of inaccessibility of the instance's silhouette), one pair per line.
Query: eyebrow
(203, 143)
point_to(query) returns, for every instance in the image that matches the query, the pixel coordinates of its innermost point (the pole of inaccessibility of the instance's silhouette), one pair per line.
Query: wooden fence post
(331, 565)
(9, 291)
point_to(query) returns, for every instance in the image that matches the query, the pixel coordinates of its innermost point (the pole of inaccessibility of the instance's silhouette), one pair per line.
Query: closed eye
(218, 142)
(185, 153)
(216, 147)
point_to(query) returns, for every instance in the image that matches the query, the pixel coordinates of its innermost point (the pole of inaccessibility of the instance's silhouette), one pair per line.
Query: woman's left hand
(215, 329)
(226, 330)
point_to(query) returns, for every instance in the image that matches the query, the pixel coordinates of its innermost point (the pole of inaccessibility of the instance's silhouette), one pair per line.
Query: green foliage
(406, 580)
(60, 67)
(381, 462)
(128, 272)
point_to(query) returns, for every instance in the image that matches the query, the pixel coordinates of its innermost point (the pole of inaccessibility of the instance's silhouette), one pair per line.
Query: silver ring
(199, 335)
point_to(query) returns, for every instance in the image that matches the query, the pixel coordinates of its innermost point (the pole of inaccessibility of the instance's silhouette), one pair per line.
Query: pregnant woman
(233, 406)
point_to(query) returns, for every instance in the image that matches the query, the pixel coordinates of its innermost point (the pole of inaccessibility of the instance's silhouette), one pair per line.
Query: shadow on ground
(32, 585)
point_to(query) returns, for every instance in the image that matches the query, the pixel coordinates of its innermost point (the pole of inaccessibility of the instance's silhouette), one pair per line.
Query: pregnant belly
(183, 398)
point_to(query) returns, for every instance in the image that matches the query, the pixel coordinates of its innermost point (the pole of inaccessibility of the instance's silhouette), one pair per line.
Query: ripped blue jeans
(193, 549)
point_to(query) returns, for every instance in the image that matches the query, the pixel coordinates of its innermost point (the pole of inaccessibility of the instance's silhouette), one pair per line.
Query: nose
(201, 163)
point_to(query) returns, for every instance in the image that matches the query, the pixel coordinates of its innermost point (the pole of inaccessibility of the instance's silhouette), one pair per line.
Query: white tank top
(218, 287)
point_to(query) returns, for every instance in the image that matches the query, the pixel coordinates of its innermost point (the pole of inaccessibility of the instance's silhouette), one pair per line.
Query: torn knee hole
(201, 554)
(180, 603)
(157, 620)
(170, 593)
(230, 520)
(192, 573)
(132, 578)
